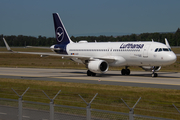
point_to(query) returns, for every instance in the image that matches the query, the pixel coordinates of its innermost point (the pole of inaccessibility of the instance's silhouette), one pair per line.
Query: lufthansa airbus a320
(98, 56)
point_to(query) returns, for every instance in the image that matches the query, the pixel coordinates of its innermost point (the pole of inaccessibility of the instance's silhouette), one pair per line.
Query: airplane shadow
(107, 75)
(162, 74)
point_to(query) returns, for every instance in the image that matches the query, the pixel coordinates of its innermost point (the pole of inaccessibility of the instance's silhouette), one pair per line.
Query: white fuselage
(125, 53)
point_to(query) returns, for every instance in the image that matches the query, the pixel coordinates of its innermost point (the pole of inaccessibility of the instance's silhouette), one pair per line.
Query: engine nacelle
(98, 66)
(150, 68)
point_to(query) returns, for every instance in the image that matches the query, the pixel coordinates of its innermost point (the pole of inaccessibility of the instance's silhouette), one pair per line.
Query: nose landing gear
(153, 72)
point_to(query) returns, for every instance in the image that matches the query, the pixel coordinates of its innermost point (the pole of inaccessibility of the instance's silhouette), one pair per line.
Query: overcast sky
(89, 17)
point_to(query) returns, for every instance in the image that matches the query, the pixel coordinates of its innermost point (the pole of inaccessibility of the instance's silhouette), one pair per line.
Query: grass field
(154, 102)
(35, 61)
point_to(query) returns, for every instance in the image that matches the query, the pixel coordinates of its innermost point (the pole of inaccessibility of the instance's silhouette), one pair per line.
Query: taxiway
(166, 80)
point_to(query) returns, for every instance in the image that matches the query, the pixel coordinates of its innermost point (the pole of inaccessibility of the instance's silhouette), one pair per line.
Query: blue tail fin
(62, 36)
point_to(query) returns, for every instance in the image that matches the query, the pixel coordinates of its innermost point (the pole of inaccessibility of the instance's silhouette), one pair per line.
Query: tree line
(20, 40)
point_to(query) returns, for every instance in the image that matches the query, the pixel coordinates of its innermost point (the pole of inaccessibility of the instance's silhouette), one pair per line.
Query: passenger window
(156, 49)
(160, 49)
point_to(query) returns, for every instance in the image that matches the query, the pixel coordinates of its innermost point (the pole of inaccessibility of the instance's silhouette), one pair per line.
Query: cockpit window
(156, 49)
(165, 49)
(160, 49)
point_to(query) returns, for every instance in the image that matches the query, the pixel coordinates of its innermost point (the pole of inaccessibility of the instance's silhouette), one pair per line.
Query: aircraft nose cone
(172, 58)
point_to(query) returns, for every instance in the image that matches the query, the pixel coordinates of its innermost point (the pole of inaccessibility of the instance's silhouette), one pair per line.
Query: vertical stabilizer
(62, 36)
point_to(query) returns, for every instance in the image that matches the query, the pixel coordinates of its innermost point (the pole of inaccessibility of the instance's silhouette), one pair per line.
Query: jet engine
(98, 66)
(150, 68)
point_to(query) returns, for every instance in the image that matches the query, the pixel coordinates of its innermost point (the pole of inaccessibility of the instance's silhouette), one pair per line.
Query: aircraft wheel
(93, 74)
(127, 72)
(89, 73)
(123, 71)
(154, 75)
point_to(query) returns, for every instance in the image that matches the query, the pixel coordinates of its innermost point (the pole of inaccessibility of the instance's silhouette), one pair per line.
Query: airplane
(98, 56)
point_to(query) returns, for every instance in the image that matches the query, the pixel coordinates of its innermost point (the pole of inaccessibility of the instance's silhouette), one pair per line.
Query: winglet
(167, 44)
(7, 46)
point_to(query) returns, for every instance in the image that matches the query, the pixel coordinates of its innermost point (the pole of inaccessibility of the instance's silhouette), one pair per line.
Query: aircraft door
(145, 51)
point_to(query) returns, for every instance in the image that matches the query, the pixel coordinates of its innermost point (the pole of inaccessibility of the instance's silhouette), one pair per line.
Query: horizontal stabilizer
(50, 48)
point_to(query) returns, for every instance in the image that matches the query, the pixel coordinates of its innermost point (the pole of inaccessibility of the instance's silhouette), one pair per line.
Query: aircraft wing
(7, 46)
(167, 43)
(58, 55)
(42, 54)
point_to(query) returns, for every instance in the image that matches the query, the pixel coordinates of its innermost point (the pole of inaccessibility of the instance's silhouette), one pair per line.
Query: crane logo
(59, 34)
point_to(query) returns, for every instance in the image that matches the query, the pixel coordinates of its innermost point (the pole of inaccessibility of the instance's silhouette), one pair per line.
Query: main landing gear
(125, 71)
(89, 73)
